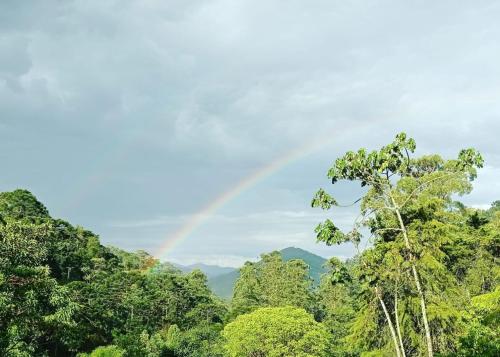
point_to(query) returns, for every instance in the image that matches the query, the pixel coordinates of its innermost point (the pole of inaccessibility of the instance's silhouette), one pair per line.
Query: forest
(426, 283)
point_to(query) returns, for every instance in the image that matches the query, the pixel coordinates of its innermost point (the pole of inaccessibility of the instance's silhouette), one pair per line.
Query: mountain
(211, 271)
(222, 285)
(314, 261)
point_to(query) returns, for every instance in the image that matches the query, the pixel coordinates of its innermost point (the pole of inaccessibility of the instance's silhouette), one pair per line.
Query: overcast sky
(129, 117)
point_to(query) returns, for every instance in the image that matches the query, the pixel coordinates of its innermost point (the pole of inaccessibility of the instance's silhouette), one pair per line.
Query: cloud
(122, 111)
(262, 217)
(234, 261)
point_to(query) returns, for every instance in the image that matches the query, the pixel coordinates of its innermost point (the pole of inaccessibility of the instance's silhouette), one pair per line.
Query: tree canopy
(276, 332)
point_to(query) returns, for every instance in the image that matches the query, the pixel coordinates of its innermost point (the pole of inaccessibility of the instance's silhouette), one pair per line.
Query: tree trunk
(423, 306)
(389, 321)
(397, 324)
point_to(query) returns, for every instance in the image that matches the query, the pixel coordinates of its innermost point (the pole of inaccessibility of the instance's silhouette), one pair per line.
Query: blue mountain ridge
(221, 280)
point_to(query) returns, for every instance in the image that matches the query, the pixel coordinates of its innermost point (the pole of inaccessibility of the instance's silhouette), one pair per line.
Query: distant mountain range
(211, 271)
(222, 279)
(223, 285)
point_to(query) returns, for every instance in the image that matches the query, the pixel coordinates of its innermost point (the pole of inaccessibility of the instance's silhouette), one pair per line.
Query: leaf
(323, 199)
(329, 233)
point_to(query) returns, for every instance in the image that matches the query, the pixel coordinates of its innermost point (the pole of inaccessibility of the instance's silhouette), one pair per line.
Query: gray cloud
(126, 111)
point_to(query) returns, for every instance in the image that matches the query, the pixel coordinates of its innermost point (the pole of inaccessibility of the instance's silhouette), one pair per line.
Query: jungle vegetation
(424, 281)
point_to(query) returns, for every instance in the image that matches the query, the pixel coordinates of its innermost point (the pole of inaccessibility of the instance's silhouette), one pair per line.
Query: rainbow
(208, 211)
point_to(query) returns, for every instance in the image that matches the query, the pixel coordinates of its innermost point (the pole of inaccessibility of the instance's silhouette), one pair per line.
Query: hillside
(314, 261)
(222, 285)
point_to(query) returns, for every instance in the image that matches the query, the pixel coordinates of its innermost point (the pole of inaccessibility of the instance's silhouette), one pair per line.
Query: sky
(130, 118)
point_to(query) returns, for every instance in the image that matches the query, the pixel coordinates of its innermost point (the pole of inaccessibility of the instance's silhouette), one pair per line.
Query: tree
(276, 332)
(33, 306)
(122, 306)
(203, 340)
(272, 282)
(483, 323)
(337, 297)
(405, 197)
(21, 204)
(105, 351)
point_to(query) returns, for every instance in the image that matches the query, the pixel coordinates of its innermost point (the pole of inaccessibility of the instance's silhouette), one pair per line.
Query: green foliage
(409, 269)
(105, 351)
(21, 204)
(32, 304)
(203, 340)
(338, 272)
(64, 294)
(329, 233)
(323, 199)
(338, 304)
(276, 332)
(272, 282)
(314, 262)
(223, 285)
(122, 305)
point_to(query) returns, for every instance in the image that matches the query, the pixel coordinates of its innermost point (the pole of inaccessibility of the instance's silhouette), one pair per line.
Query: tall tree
(404, 195)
